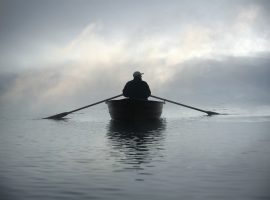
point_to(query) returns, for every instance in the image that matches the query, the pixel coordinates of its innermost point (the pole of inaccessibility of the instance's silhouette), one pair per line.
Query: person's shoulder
(144, 82)
(129, 82)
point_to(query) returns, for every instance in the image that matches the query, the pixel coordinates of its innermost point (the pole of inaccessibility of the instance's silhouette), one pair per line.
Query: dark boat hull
(127, 109)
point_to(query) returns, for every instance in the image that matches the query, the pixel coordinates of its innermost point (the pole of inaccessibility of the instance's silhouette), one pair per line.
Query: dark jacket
(136, 89)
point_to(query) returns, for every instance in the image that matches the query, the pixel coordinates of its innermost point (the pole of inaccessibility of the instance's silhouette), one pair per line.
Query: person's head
(137, 75)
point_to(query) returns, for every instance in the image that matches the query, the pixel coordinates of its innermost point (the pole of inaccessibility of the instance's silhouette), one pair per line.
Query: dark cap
(137, 73)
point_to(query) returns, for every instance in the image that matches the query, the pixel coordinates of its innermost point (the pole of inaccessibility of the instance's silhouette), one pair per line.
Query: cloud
(192, 57)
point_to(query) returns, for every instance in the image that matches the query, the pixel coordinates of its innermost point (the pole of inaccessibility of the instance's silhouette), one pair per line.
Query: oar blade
(210, 113)
(58, 116)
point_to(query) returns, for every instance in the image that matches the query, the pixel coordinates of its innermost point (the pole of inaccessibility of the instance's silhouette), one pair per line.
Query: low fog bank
(214, 82)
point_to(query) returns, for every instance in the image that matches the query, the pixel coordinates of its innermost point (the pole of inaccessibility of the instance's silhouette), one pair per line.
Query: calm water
(88, 156)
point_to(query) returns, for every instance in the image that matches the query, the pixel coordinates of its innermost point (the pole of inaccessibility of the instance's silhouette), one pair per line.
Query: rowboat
(132, 109)
(129, 109)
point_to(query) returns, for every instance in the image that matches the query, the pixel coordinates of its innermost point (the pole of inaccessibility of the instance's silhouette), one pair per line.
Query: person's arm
(125, 90)
(147, 91)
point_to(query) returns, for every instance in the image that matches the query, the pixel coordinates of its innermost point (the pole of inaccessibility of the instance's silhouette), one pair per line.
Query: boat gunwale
(134, 100)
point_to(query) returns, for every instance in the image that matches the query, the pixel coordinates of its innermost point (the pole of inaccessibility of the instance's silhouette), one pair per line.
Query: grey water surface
(181, 156)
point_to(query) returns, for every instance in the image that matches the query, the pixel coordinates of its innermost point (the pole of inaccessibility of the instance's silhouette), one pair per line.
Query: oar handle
(93, 104)
(207, 112)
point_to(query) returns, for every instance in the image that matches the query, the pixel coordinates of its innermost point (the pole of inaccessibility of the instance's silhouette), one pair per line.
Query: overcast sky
(82, 50)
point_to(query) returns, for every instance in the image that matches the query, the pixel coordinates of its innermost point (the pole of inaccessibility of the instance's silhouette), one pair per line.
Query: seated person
(137, 88)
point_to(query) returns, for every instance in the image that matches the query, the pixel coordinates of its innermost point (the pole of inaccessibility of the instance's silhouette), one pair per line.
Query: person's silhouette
(137, 88)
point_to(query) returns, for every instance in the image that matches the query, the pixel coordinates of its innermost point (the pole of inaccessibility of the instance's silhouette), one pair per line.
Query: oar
(205, 111)
(61, 115)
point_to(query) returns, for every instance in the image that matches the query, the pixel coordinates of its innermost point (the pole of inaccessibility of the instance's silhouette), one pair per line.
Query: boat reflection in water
(136, 144)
